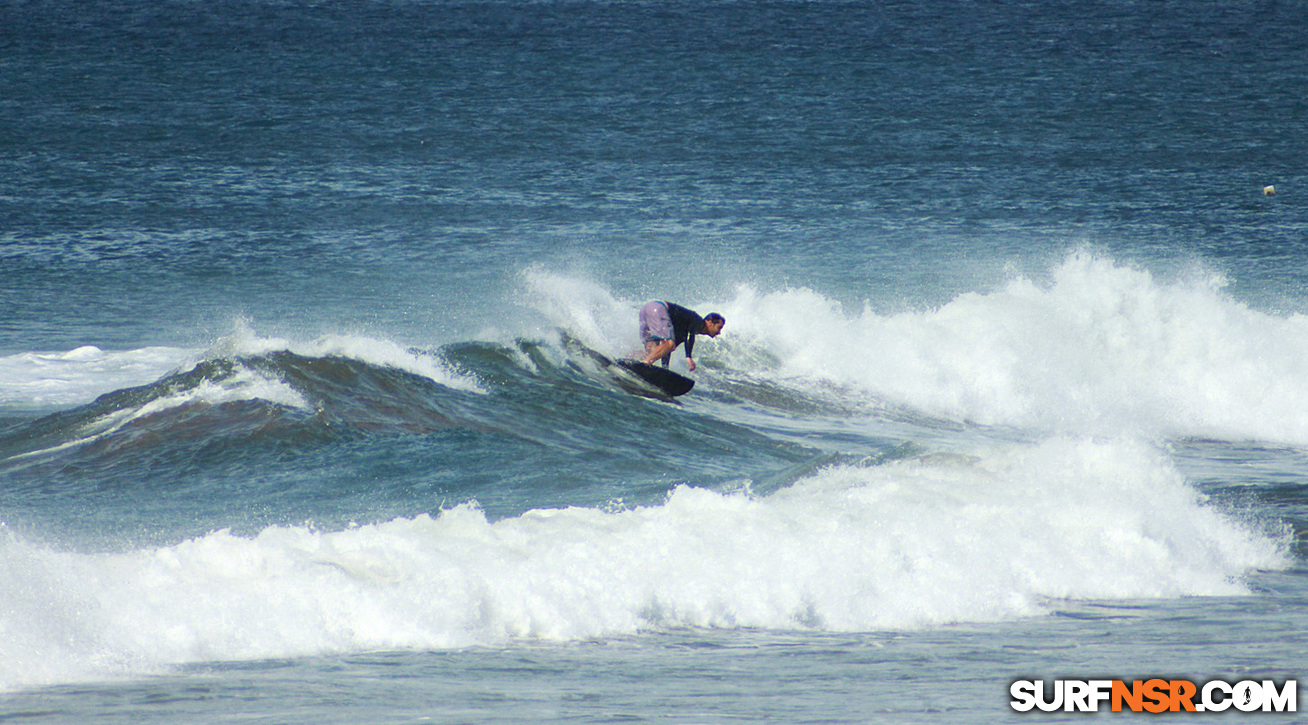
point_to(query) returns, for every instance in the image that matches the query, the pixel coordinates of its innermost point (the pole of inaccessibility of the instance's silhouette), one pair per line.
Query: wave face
(896, 545)
(246, 389)
(341, 430)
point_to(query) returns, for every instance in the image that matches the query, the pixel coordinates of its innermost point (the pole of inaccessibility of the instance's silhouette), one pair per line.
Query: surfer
(664, 326)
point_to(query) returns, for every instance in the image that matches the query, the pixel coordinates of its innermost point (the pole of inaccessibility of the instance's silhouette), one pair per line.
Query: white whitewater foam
(900, 546)
(1101, 348)
(52, 380)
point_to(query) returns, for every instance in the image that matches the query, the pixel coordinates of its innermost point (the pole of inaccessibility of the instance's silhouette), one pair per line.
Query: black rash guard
(685, 324)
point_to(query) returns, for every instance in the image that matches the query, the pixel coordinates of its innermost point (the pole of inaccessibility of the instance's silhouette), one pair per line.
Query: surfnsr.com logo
(1155, 695)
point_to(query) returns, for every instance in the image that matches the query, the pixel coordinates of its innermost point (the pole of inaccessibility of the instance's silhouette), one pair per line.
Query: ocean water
(1014, 382)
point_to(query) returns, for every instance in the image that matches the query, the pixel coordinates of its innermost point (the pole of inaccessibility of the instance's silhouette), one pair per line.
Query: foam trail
(1101, 348)
(899, 546)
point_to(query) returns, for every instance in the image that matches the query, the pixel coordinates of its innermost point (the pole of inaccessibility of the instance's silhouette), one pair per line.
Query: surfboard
(672, 384)
(634, 376)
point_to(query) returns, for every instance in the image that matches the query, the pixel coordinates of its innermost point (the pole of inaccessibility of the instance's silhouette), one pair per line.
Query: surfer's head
(713, 324)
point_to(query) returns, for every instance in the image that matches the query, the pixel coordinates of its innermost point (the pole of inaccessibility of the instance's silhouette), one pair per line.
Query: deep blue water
(1013, 381)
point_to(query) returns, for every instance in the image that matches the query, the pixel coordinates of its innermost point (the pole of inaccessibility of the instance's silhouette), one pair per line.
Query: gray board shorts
(655, 323)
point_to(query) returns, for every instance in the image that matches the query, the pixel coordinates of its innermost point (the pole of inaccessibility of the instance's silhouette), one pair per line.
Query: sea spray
(904, 545)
